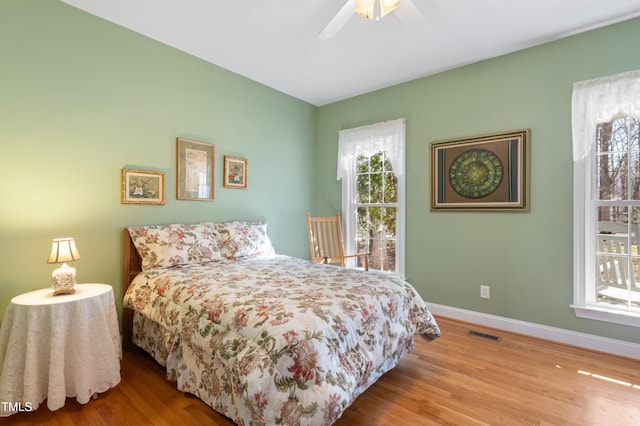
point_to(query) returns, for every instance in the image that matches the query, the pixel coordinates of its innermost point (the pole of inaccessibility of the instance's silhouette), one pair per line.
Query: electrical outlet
(485, 292)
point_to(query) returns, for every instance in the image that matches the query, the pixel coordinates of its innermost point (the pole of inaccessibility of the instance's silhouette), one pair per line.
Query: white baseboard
(587, 341)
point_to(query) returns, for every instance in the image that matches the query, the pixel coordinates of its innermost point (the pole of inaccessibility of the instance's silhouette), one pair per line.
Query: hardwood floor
(456, 380)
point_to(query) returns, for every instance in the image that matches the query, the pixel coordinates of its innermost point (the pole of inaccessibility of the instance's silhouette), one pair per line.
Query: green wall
(82, 98)
(526, 258)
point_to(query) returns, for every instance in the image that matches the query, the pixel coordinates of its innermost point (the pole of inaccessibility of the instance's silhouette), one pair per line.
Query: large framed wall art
(489, 172)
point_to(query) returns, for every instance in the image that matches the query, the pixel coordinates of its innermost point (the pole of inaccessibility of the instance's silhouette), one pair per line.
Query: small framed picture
(142, 187)
(235, 172)
(488, 172)
(195, 170)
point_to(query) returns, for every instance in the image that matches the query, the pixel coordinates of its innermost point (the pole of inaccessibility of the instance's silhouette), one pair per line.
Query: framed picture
(142, 187)
(195, 170)
(488, 172)
(235, 172)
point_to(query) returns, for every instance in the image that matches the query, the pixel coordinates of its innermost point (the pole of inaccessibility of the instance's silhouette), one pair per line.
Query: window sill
(604, 313)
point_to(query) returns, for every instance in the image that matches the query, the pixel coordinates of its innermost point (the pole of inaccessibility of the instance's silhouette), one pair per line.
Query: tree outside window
(377, 205)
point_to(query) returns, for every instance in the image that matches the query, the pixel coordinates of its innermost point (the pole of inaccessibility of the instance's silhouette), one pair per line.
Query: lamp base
(67, 291)
(63, 280)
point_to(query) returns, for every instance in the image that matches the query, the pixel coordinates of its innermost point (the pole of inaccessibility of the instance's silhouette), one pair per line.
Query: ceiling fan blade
(410, 15)
(338, 21)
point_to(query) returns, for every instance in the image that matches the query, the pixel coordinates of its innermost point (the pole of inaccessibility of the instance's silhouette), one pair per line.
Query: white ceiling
(275, 42)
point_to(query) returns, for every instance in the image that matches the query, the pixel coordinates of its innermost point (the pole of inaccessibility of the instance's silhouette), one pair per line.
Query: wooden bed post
(131, 267)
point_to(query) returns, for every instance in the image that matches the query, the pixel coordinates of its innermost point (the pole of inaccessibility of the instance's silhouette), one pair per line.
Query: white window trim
(585, 304)
(595, 101)
(368, 140)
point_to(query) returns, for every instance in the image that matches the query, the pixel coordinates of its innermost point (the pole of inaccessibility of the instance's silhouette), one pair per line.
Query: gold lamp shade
(63, 279)
(376, 9)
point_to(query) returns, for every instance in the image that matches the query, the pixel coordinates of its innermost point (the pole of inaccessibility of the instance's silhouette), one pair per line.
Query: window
(371, 167)
(606, 151)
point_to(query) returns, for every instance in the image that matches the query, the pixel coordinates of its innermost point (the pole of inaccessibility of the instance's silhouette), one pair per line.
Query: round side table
(54, 347)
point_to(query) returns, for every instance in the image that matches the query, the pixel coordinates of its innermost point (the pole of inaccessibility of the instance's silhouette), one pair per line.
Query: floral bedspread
(278, 340)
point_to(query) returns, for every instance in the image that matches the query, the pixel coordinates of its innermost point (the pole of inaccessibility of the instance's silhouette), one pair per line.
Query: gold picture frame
(195, 166)
(143, 187)
(489, 172)
(235, 172)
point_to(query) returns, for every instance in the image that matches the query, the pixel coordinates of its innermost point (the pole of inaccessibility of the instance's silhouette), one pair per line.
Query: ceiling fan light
(375, 9)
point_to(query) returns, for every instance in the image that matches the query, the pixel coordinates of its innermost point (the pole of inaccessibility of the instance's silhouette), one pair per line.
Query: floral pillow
(165, 246)
(241, 239)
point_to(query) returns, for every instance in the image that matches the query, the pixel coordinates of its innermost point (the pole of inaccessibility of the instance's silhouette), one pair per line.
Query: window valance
(368, 140)
(598, 101)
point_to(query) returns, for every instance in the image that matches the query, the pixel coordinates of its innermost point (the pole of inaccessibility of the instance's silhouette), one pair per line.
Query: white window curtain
(388, 136)
(598, 101)
(368, 140)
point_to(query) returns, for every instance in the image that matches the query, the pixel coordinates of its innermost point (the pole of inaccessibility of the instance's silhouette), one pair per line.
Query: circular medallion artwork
(475, 173)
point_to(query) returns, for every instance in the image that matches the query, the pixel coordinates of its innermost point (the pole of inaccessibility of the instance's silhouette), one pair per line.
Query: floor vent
(484, 335)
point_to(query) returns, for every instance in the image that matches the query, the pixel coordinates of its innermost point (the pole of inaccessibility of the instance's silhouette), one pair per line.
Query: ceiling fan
(371, 9)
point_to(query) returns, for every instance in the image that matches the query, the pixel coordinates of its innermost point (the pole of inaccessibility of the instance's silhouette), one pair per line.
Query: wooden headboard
(132, 266)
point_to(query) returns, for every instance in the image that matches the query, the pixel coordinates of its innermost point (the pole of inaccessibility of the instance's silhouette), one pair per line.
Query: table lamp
(63, 279)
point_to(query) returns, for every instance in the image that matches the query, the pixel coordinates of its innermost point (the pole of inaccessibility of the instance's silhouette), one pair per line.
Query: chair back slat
(326, 244)
(325, 239)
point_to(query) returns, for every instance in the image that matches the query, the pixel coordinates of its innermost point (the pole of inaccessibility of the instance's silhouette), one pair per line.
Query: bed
(260, 337)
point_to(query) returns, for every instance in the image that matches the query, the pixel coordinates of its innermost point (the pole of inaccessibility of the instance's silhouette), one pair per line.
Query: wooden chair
(326, 244)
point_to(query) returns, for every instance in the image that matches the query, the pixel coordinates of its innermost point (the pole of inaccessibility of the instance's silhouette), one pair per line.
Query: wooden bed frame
(132, 266)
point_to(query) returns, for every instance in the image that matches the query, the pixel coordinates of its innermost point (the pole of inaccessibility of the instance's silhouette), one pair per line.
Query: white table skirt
(58, 347)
